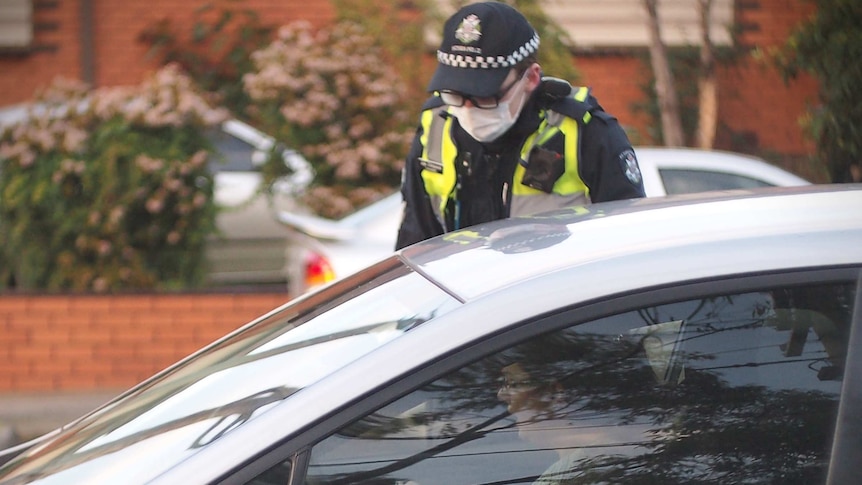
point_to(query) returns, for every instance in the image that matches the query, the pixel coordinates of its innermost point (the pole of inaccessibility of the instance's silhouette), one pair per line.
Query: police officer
(498, 139)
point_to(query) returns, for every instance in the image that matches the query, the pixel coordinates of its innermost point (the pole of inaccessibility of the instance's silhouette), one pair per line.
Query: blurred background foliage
(829, 47)
(108, 189)
(114, 194)
(346, 96)
(329, 94)
(216, 51)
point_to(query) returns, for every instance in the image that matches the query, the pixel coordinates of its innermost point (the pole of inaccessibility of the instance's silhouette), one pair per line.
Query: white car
(718, 342)
(322, 250)
(249, 245)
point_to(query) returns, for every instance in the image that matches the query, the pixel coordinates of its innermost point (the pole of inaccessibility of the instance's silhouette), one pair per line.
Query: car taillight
(317, 270)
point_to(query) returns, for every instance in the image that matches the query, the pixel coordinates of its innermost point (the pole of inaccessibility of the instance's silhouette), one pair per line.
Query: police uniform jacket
(564, 149)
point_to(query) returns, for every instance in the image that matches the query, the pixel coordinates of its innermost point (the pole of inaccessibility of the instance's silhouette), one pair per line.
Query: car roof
(643, 239)
(587, 254)
(521, 268)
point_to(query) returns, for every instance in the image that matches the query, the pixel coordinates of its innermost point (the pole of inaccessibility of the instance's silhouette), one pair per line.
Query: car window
(232, 154)
(731, 388)
(678, 181)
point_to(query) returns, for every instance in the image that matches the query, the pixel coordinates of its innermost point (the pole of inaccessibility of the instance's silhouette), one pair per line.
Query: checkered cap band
(490, 62)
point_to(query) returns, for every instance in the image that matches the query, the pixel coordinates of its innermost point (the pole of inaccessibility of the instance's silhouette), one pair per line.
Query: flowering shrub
(108, 189)
(331, 95)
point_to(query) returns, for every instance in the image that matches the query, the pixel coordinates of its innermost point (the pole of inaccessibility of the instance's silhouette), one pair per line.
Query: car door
(250, 243)
(731, 381)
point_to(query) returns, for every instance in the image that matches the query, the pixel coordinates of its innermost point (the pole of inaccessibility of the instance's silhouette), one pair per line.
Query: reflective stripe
(525, 205)
(569, 183)
(432, 137)
(581, 94)
(439, 148)
(439, 151)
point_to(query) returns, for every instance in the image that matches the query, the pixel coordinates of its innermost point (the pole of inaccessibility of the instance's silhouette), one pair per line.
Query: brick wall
(753, 99)
(118, 57)
(56, 33)
(77, 342)
(90, 342)
(616, 82)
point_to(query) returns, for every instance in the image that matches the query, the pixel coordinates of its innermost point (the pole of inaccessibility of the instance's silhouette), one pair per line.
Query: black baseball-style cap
(481, 43)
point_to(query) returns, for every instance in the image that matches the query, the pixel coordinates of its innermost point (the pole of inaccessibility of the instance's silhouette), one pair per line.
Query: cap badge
(469, 31)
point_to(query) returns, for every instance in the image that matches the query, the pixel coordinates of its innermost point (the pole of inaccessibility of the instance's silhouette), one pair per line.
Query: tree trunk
(707, 83)
(667, 96)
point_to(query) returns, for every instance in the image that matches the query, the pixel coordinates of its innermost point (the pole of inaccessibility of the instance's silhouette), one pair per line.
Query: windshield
(164, 421)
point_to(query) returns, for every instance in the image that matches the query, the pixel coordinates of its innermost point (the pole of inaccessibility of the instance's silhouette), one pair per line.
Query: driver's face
(516, 389)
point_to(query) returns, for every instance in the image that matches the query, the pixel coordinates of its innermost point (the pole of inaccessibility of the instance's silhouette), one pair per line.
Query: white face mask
(486, 125)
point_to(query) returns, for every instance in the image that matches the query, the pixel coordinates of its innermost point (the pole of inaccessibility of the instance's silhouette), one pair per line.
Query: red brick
(91, 347)
(90, 304)
(89, 338)
(115, 382)
(184, 336)
(135, 369)
(216, 303)
(54, 337)
(34, 384)
(32, 353)
(54, 304)
(173, 303)
(164, 354)
(133, 303)
(7, 381)
(34, 321)
(132, 336)
(69, 353)
(13, 368)
(9, 339)
(94, 366)
(11, 304)
(77, 382)
(52, 368)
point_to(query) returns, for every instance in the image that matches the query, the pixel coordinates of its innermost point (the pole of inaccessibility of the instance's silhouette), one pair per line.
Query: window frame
(298, 447)
(846, 446)
(622, 25)
(671, 177)
(16, 23)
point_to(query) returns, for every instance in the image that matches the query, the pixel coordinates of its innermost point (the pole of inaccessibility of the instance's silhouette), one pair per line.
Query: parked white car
(719, 342)
(249, 246)
(322, 250)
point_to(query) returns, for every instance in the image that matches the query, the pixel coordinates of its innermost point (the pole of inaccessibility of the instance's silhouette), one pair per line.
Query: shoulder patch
(629, 164)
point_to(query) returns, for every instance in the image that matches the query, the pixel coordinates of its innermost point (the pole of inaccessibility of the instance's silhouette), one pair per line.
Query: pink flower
(155, 205)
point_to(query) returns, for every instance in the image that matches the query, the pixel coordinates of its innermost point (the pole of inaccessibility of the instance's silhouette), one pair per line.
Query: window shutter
(623, 23)
(597, 24)
(16, 24)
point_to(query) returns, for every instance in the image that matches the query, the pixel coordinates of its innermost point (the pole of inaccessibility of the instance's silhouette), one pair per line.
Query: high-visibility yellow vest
(439, 156)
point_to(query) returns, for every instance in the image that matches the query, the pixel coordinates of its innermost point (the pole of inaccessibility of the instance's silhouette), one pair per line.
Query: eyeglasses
(456, 99)
(505, 384)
